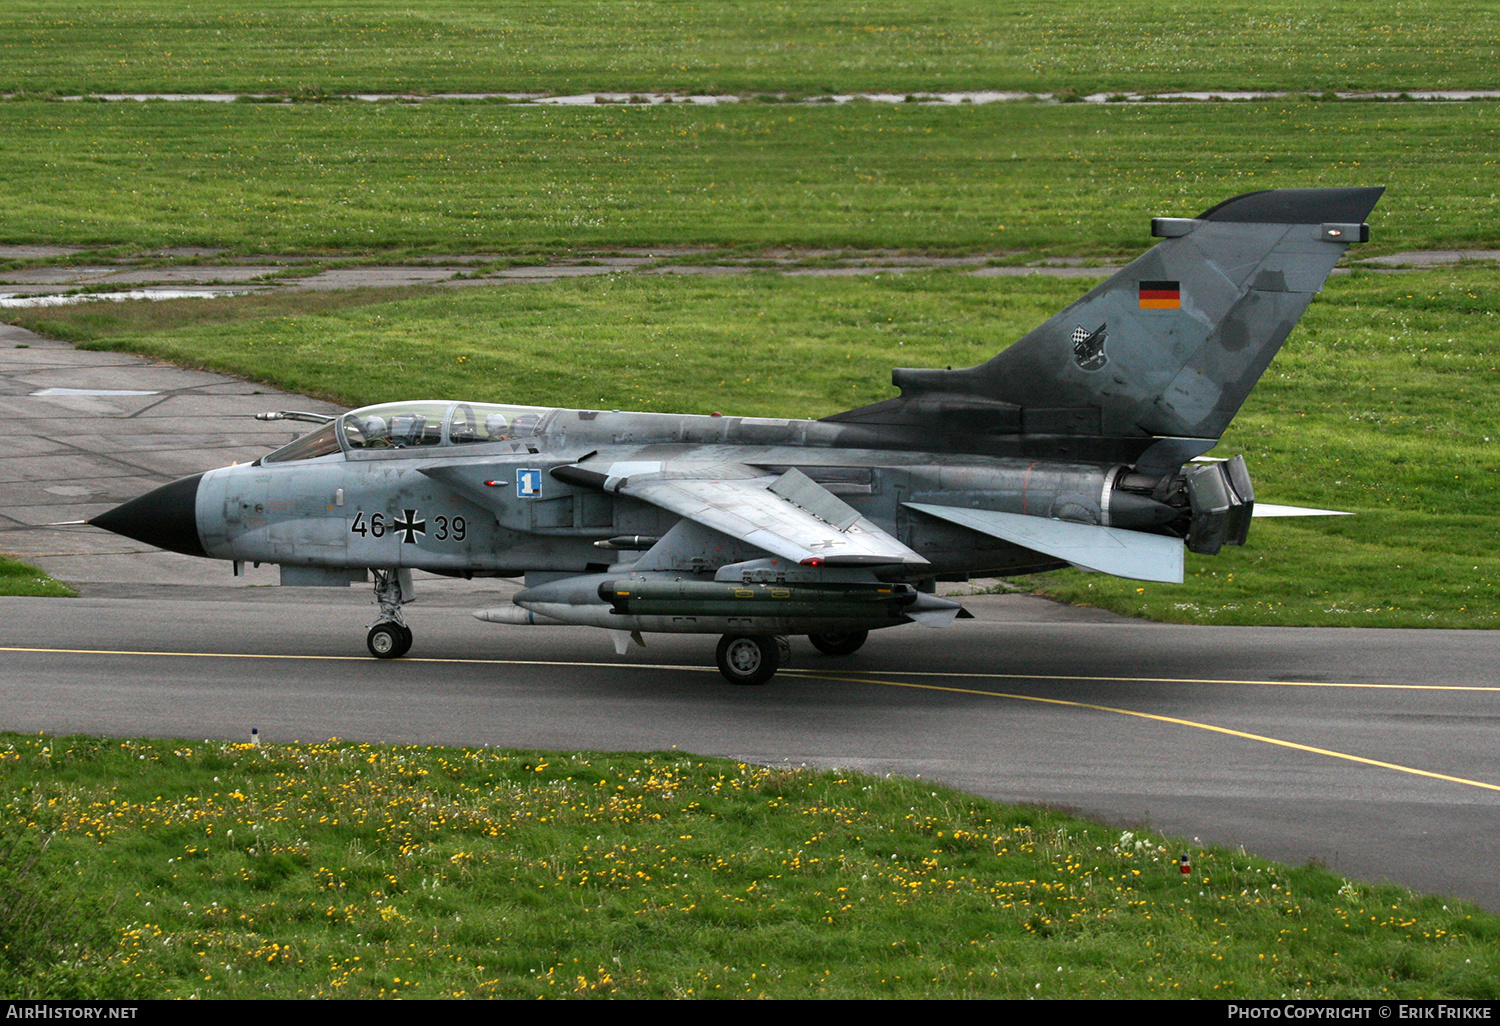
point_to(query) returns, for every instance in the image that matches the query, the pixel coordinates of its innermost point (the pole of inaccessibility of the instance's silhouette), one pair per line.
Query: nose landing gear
(390, 637)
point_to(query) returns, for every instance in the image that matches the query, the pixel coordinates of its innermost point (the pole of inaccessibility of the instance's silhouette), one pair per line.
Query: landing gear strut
(389, 637)
(749, 658)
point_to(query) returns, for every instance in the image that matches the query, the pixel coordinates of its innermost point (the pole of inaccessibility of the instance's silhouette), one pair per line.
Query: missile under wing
(1075, 445)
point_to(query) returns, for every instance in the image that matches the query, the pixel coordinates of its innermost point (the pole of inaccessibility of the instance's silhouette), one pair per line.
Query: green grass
(452, 178)
(817, 46)
(1384, 402)
(352, 870)
(17, 578)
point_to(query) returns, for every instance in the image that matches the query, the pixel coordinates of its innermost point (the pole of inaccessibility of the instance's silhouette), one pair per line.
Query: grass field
(17, 578)
(463, 178)
(204, 869)
(1383, 402)
(569, 46)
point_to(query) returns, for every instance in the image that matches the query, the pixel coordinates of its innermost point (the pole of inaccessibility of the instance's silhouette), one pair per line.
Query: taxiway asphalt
(1371, 751)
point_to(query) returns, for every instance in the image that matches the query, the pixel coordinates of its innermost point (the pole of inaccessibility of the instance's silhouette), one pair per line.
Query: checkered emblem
(1088, 348)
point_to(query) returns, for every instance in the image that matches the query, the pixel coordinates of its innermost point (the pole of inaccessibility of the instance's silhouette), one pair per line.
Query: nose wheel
(389, 640)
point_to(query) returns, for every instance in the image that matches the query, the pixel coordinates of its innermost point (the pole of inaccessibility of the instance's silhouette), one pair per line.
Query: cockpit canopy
(408, 425)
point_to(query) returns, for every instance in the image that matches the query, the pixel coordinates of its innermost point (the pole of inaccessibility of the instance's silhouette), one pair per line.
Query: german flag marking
(1161, 295)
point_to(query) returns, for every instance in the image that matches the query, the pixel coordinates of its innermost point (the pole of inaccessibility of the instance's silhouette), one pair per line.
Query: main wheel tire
(388, 640)
(846, 643)
(783, 650)
(748, 659)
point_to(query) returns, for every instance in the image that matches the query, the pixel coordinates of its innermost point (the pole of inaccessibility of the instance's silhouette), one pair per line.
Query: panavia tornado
(1075, 445)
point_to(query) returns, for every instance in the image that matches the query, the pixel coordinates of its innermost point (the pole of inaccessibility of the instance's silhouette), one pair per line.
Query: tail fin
(1172, 344)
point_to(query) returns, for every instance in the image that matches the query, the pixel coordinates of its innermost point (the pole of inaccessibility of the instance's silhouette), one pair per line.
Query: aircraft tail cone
(166, 517)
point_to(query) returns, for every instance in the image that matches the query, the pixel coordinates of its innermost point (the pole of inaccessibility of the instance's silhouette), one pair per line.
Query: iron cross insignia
(410, 527)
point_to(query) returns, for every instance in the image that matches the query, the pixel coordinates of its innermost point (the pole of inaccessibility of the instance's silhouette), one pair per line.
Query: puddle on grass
(14, 299)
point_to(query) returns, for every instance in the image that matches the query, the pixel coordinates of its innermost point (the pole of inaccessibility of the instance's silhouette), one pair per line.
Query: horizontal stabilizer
(1270, 509)
(1109, 550)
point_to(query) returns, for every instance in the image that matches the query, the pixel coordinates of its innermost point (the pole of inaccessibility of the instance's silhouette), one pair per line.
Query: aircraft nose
(166, 517)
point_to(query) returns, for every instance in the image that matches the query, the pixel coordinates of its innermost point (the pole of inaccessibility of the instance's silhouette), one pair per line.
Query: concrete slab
(83, 454)
(713, 269)
(45, 355)
(14, 291)
(72, 414)
(66, 467)
(26, 446)
(75, 274)
(148, 441)
(216, 403)
(83, 493)
(124, 564)
(37, 502)
(1021, 608)
(31, 252)
(141, 374)
(1056, 272)
(842, 272)
(1434, 258)
(379, 277)
(549, 272)
(201, 273)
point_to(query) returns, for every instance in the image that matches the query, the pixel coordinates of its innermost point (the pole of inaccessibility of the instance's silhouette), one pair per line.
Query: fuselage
(469, 489)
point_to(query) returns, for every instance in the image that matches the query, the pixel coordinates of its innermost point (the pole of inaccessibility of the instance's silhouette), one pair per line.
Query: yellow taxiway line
(806, 674)
(1330, 753)
(942, 688)
(1188, 680)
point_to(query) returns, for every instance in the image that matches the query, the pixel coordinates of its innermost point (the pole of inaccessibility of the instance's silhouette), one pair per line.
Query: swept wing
(790, 516)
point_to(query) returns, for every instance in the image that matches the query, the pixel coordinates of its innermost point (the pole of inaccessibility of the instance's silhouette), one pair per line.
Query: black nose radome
(166, 518)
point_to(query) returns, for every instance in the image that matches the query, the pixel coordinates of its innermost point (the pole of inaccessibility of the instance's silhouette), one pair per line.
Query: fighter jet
(1075, 445)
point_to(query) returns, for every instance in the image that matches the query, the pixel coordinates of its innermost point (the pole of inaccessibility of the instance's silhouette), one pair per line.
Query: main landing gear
(755, 658)
(841, 644)
(751, 658)
(389, 637)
